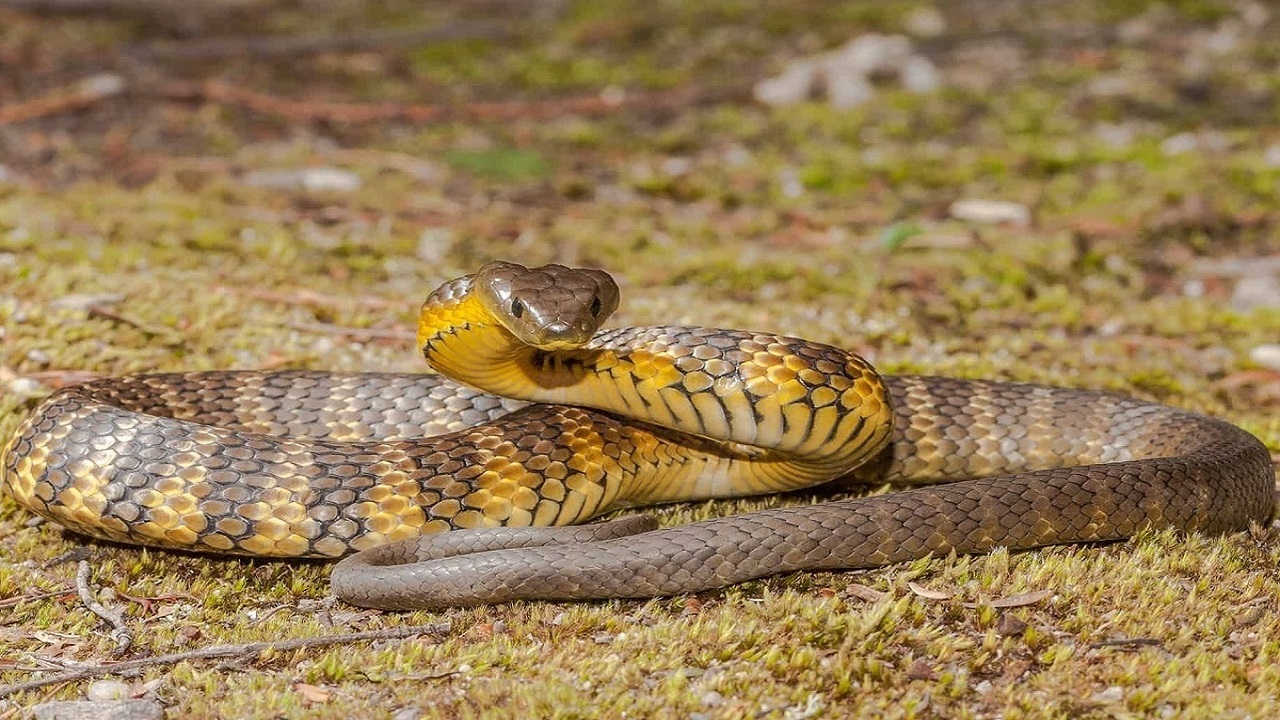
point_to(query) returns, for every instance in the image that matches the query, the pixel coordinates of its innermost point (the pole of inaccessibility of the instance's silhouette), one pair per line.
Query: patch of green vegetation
(804, 220)
(501, 163)
(1198, 10)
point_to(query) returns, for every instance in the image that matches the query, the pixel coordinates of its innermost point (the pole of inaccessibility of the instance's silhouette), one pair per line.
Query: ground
(208, 206)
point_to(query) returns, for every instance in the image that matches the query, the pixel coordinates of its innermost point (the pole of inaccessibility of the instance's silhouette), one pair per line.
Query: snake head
(549, 307)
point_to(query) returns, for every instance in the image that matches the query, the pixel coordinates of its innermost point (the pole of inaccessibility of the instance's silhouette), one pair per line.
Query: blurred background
(921, 181)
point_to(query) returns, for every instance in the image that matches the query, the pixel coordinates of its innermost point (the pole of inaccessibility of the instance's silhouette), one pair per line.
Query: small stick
(367, 333)
(81, 95)
(291, 46)
(224, 651)
(119, 631)
(323, 111)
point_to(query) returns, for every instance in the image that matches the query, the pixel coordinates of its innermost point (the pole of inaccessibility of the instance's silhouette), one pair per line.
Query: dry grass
(1108, 288)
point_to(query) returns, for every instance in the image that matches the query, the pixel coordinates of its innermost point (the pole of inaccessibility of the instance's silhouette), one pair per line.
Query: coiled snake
(305, 464)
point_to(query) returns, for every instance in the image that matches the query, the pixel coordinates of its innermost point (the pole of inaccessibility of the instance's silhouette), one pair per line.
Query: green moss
(500, 163)
(806, 220)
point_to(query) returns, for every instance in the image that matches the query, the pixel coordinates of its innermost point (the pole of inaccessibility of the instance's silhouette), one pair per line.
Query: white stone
(985, 211)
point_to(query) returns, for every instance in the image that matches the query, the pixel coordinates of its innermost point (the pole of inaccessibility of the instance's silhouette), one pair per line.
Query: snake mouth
(557, 336)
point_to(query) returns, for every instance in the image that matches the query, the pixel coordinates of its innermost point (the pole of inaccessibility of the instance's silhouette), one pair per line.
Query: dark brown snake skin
(300, 463)
(1156, 467)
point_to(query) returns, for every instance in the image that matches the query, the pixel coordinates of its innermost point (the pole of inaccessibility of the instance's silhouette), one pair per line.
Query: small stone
(676, 166)
(1115, 135)
(789, 182)
(793, 85)
(983, 687)
(990, 211)
(1256, 291)
(434, 244)
(920, 670)
(920, 75)
(323, 179)
(24, 387)
(1112, 694)
(107, 690)
(711, 699)
(1010, 625)
(99, 710)
(1179, 144)
(845, 73)
(84, 301)
(871, 53)
(38, 356)
(103, 85)
(925, 22)
(1271, 156)
(1267, 356)
(316, 179)
(846, 90)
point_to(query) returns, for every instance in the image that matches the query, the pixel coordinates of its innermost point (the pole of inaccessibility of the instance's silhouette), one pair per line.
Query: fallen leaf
(862, 592)
(313, 693)
(925, 592)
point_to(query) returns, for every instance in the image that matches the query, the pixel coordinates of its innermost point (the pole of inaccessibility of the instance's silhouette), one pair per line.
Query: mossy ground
(724, 214)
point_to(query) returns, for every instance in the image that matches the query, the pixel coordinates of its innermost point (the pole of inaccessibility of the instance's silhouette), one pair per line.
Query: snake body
(572, 421)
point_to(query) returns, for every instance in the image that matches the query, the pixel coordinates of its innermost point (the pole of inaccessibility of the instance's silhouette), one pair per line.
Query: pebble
(84, 301)
(315, 179)
(25, 387)
(103, 85)
(1256, 291)
(844, 74)
(99, 710)
(1179, 144)
(990, 211)
(108, 690)
(434, 244)
(1110, 695)
(925, 22)
(1266, 356)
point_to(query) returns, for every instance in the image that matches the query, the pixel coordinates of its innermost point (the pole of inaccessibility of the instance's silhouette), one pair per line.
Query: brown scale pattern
(1162, 467)
(247, 463)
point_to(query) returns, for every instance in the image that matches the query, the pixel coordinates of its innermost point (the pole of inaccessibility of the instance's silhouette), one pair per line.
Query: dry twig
(241, 651)
(353, 332)
(79, 96)
(115, 618)
(292, 46)
(322, 111)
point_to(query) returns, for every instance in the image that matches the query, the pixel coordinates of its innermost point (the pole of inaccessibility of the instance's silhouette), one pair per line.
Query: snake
(537, 420)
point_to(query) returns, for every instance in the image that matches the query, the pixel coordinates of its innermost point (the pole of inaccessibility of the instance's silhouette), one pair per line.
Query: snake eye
(595, 307)
(517, 308)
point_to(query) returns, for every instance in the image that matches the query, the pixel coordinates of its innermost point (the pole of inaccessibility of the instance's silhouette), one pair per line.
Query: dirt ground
(1077, 193)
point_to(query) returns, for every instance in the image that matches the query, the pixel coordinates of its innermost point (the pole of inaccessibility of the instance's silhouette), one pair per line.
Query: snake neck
(460, 338)
(813, 410)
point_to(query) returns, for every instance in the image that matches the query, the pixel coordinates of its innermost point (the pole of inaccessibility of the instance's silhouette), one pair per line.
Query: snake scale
(550, 421)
